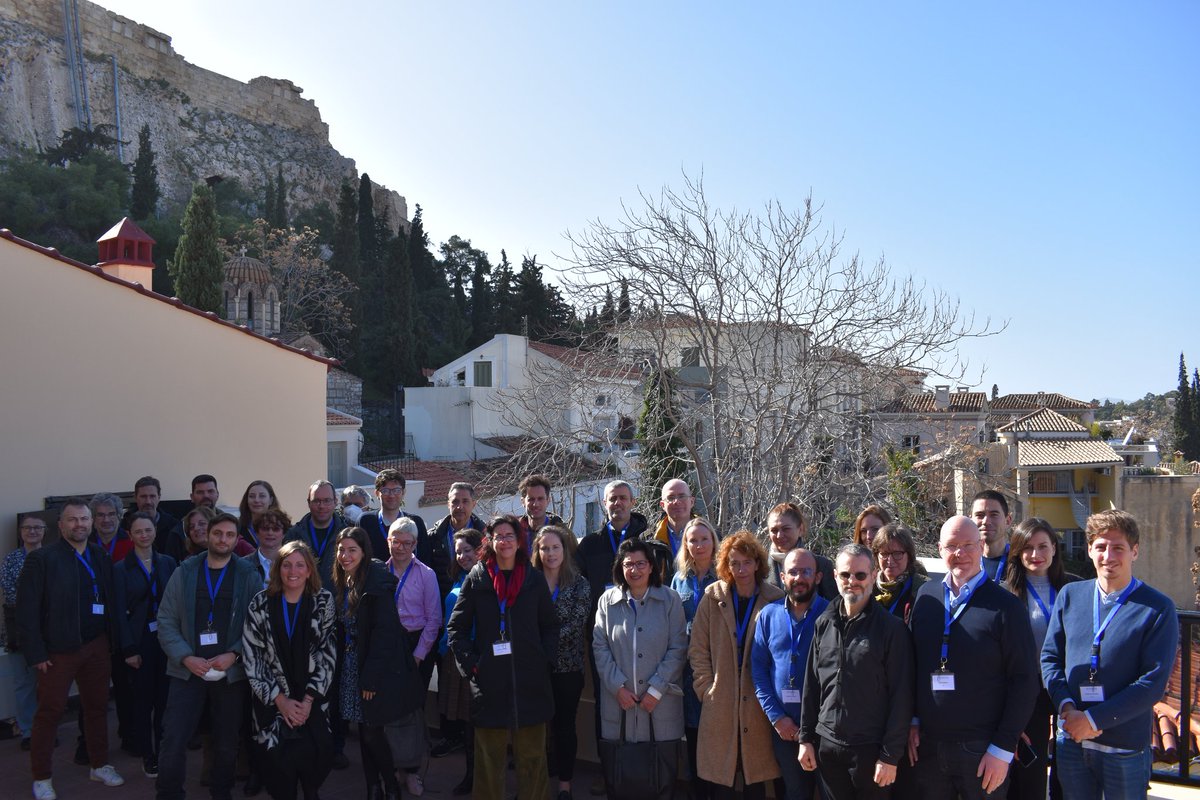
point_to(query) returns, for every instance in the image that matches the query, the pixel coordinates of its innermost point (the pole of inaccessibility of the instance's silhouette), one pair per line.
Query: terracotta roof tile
(1031, 402)
(1044, 420)
(1065, 453)
(924, 403)
(335, 417)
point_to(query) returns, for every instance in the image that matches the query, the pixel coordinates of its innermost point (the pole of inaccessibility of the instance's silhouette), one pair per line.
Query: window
(460, 377)
(1076, 543)
(336, 452)
(601, 400)
(483, 373)
(690, 357)
(591, 515)
(912, 443)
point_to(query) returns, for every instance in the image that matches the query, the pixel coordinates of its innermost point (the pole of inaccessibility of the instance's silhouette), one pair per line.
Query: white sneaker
(106, 775)
(44, 790)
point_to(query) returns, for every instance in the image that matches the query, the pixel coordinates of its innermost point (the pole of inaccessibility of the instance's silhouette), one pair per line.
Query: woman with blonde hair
(290, 653)
(735, 734)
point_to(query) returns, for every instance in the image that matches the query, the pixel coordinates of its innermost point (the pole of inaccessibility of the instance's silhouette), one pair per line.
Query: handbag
(639, 770)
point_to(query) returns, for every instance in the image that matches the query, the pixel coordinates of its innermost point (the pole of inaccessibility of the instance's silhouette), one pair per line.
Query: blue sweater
(773, 661)
(1137, 655)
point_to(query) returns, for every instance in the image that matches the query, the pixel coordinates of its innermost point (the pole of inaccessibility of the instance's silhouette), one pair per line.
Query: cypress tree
(659, 460)
(345, 236)
(367, 243)
(143, 201)
(623, 310)
(280, 220)
(1183, 420)
(1195, 429)
(196, 270)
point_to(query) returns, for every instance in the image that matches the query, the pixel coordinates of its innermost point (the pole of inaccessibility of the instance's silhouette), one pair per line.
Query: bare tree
(774, 342)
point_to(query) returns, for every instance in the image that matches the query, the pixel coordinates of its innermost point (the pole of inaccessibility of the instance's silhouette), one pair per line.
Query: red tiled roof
(925, 403)
(335, 417)
(1032, 402)
(1065, 453)
(1044, 420)
(50, 252)
(126, 229)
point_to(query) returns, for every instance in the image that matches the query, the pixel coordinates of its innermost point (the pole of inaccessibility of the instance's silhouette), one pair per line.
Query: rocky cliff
(202, 124)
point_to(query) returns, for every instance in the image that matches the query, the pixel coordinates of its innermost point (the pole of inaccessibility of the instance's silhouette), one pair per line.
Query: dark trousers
(567, 688)
(848, 773)
(123, 700)
(751, 791)
(1030, 782)
(90, 668)
(186, 701)
(701, 789)
(302, 758)
(946, 770)
(794, 782)
(148, 685)
(376, 754)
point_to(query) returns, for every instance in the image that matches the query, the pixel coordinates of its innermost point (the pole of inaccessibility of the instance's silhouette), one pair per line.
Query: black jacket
(371, 523)
(507, 690)
(132, 598)
(48, 601)
(435, 552)
(858, 685)
(385, 662)
(595, 556)
(301, 532)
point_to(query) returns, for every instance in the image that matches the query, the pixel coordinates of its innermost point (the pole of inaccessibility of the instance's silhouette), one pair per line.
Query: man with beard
(200, 626)
(319, 527)
(535, 497)
(858, 687)
(781, 642)
(989, 509)
(147, 492)
(785, 531)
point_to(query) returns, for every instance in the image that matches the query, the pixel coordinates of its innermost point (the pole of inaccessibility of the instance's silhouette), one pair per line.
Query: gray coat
(176, 616)
(650, 652)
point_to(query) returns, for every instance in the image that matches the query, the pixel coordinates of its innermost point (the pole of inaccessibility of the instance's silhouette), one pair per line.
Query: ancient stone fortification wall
(148, 54)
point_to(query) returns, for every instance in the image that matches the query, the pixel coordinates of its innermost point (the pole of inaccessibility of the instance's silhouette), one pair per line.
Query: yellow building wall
(1055, 510)
(102, 384)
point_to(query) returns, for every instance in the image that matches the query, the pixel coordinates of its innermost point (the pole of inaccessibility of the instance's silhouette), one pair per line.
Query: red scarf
(506, 588)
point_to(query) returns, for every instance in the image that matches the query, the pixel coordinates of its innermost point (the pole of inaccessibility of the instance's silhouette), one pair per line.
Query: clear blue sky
(1040, 161)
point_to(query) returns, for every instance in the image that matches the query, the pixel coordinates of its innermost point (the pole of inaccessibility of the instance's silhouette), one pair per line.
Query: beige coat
(729, 710)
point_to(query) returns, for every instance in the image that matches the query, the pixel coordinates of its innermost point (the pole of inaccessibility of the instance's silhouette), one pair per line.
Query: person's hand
(885, 774)
(366, 695)
(625, 699)
(196, 665)
(42, 666)
(223, 662)
(1077, 726)
(914, 744)
(289, 709)
(648, 702)
(993, 771)
(786, 729)
(134, 661)
(807, 756)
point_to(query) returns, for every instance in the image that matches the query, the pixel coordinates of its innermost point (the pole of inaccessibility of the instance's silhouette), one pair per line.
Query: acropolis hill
(202, 124)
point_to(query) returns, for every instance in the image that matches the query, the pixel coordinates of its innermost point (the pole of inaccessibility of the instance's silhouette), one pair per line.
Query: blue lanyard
(797, 638)
(1038, 599)
(290, 620)
(212, 593)
(112, 544)
(1000, 566)
(903, 591)
(152, 582)
(254, 536)
(673, 541)
(950, 620)
(1101, 628)
(695, 584)
(449, 537)
(502, 600)
(86, 560)
(743, 623)
(611, 531)
(324, 539)
(554, 594)
(403, 580)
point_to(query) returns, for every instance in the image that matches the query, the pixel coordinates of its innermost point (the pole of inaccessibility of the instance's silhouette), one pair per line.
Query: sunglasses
(858, 576)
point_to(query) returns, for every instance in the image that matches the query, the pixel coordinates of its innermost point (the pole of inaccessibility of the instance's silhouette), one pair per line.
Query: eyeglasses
(634, 566)
(802, 572)
(955, 549)
(505, 537)
(892, 555)
(404, 544)
(321, 501)
(858, 576)
(34, 528)
(391, 492)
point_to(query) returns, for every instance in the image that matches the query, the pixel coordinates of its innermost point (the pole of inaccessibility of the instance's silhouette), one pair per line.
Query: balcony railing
(1174, 741)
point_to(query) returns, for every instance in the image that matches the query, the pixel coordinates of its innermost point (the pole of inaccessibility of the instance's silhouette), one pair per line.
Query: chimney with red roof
(126, 252)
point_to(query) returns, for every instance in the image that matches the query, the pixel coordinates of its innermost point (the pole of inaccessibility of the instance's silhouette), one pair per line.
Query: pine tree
(367, 243)
(143, 201)
(280, 220)
(660, 458)
(507, 316)
(197, 270)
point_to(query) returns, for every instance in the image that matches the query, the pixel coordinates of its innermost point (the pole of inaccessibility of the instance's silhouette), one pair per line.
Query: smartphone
(1026, 756)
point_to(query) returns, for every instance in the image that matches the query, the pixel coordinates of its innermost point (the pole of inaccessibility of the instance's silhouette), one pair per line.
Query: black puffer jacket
(507, 690)
(385, 662)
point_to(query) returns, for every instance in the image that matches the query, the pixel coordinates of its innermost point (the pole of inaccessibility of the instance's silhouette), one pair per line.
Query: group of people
(852, 677)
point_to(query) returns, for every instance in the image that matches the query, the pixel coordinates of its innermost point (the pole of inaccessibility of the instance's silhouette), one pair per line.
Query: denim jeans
(1087, 774)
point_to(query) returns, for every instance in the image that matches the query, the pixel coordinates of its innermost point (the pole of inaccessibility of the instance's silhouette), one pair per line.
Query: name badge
(208, 639)
(942, 681)
(502, 649)
(153, 625)
(791, 695)
(98, 609)
(1091, 693)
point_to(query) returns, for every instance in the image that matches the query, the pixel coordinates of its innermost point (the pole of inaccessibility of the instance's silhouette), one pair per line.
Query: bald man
(676, 502)
(977, 675)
